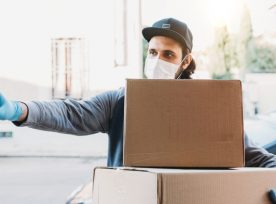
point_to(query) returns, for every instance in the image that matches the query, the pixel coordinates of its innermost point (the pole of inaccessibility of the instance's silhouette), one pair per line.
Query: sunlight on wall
(203, 15)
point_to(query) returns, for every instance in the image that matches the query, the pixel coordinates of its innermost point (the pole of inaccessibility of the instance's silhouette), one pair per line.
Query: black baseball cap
(172, 28)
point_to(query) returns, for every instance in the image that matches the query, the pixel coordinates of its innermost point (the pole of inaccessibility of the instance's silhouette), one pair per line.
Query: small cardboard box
(183, 123)
(176, 186)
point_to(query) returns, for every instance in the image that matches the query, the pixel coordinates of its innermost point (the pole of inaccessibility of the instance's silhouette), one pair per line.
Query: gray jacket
(104, 113)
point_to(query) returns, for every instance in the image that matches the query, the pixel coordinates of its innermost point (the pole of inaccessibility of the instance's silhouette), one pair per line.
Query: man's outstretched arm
(65, 116)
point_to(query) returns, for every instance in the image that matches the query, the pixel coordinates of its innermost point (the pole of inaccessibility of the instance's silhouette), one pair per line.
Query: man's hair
(186, 74)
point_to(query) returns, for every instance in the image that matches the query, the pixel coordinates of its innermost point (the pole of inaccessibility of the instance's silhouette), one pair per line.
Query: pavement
(43, 180)
(46, 167)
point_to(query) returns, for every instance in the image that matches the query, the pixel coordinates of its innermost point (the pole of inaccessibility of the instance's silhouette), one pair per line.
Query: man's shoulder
(121, 92)
(112, 96)
(117, 94)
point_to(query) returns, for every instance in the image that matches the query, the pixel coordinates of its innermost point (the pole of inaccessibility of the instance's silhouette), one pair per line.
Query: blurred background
(79, 48)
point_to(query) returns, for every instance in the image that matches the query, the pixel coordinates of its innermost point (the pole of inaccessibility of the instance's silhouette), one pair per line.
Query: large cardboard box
(175, 186)
(183, 123)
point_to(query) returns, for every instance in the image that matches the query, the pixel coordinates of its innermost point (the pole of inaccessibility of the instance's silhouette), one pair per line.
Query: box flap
(124, 186)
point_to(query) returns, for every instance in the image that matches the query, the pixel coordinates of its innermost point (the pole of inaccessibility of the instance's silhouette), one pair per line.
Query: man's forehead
(164, 43)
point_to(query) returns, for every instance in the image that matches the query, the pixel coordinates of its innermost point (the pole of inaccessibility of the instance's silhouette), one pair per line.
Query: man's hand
(11, 110)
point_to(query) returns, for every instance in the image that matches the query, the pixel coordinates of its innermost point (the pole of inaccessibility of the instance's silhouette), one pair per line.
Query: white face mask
(156, 68)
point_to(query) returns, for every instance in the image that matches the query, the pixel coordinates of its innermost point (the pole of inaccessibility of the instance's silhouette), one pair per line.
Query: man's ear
(187, 61)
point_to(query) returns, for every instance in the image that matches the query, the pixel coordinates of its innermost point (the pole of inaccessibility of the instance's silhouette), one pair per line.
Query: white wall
(25, 42)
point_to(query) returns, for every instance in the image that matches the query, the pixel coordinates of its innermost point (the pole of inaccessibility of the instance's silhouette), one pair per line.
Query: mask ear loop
(180, 70)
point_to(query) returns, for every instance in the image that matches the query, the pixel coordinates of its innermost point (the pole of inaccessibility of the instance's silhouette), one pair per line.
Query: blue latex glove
(9, 110)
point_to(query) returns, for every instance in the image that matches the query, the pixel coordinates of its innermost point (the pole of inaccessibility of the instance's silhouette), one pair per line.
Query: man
(169, 56)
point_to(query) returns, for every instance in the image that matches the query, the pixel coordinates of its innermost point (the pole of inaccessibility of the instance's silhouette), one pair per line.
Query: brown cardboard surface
(183, 123)
(178, 186)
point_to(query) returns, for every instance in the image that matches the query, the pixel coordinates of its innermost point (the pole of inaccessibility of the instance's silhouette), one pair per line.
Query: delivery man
(169, 56)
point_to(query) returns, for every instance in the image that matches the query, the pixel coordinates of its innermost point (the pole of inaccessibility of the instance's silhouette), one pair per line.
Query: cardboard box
(183, 123)
(175, 186)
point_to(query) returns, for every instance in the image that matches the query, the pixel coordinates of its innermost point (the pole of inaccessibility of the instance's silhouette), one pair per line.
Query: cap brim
(150, 32)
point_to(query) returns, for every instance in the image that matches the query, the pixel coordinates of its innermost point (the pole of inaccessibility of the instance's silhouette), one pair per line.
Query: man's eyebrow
(170, 51)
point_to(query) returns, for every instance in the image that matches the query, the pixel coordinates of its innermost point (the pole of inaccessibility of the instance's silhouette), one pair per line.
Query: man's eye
(152, 52)
(169, 54)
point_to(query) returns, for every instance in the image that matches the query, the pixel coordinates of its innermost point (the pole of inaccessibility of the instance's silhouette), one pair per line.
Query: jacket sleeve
(257, 156)
(78, 117)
